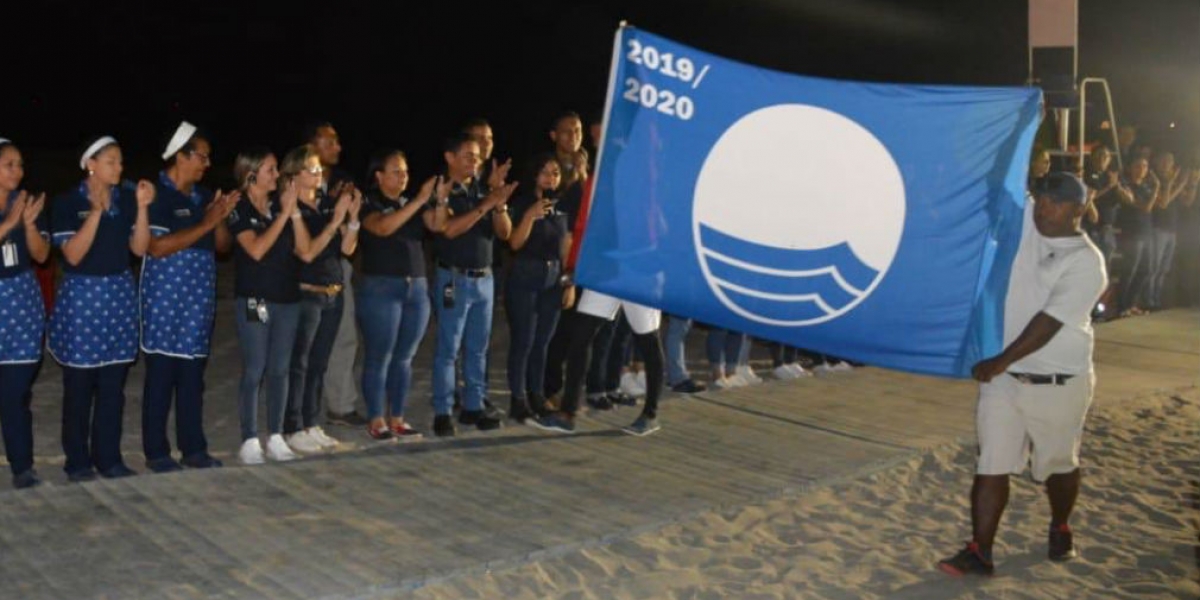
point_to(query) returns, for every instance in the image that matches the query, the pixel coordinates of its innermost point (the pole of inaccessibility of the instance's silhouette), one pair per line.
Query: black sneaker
(688, 386)
(165, 464)
(619, 398)
(443, 426)
(480, 419)
(600, 403)
(642, 426)
(492, 410)
(556, 422)
(1062, 547)
(518, 410)
(968, 561)
(26, 479)
(117, 471)
(350, 419)
(201, 461)
(539, 406)
(81, 475)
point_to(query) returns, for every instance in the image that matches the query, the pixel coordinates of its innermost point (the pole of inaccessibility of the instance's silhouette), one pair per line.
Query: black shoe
(688, 386)
(492, 410)
(26, 479)
(165, 464)
(201, 461)
(518, 410)
(556, 422)
(969, 561)
(81, 475)
(480, 419)
(443, 426)
(600, 403)
(643, 425)
(117, 471)
(350, 419)
(622, 399)
(1062, 547)
(539, 406)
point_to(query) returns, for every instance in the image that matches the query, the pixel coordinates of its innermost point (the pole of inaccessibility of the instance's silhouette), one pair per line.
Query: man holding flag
(1034, 396)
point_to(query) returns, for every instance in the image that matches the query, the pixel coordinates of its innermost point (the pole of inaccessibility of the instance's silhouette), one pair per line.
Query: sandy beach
(879, 535)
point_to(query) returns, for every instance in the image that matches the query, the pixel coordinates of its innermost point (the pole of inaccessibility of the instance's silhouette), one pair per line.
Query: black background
(406, 74)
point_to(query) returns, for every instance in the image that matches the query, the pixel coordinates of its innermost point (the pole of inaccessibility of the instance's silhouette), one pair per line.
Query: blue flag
(875, 222)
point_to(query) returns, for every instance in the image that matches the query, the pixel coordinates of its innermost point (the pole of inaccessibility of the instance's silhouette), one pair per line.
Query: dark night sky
(254, 72)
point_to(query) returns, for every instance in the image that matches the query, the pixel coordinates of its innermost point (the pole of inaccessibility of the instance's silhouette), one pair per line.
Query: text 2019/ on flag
(875, 222)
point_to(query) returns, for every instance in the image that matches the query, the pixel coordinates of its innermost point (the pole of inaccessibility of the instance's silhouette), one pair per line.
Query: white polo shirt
(1062, 277)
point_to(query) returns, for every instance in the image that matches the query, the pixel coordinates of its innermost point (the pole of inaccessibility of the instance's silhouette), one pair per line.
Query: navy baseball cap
(1061, 187)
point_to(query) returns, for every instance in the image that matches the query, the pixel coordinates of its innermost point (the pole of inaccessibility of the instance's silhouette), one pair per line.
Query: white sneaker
(842, 366)
(784, 372)
(278, 450)
(322, 438)
(736, 381)
(798, 370)
(823, 368)
(722, 384)
(302, 442)
(251, 452)
(630, 386)
(748, 374)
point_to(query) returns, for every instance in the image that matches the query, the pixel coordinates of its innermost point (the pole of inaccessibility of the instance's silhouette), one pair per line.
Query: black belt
(484, 272)
(1034, 379)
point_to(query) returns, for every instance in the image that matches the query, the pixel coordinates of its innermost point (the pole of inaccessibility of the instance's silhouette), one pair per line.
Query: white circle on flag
(781, 197)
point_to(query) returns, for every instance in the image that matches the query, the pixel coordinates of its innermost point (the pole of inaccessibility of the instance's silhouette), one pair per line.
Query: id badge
(10, 254)
(256, 310)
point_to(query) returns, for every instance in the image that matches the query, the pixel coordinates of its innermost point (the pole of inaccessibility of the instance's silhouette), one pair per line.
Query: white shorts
(642, 319)
(1039, 425)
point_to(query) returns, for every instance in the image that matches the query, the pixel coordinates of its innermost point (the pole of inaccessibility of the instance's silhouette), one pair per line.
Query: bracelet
(354, 225)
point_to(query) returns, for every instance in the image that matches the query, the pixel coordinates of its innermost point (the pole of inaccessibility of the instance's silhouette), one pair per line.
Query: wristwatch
(566, 279)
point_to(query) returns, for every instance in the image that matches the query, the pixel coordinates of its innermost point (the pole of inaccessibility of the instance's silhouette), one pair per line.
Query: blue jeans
(393, 313)
(1136, 254)
(316, 330)
(466, 324)
(266, 353)
(533, 301)
(1163, 253)
(724, 349)
(677, 331)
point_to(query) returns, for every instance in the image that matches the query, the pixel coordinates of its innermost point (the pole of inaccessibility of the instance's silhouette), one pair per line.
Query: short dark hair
(473, 123)
(455, 142)
(312, 127)
(567, 114)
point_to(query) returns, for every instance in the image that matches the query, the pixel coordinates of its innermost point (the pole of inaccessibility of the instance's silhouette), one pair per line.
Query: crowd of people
(474, 235)
(139, 269)
(1142, 215)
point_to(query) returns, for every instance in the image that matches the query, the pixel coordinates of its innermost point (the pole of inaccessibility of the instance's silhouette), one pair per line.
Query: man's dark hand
(985, 370)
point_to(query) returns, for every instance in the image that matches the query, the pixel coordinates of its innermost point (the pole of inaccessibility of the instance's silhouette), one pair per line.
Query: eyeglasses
(203, 157)
(317, 170)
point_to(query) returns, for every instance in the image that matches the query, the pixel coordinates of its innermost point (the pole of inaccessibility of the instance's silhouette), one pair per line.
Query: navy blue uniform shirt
(174, 211)
(109, 254)
(400, 254)
(275, 278)
(326, 267)
(472, 249)
(17, 238)
(546, 235)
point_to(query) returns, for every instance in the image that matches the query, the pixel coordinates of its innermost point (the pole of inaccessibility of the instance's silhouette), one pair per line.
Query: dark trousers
(610, 353)
(583, 332)
(556, 354)
(782, 354)
(533, 301)
(320, 316)
(16, 420)
(181, 379)
(93, 406)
